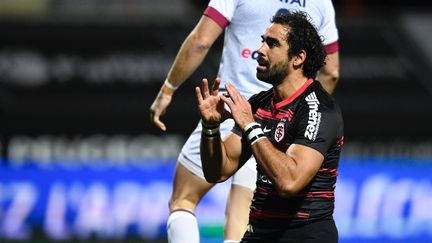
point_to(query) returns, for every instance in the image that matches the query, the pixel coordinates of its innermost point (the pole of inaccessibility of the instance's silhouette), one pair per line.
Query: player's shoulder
(260, 98)
(315, 93)
(319, 8)
(261, 95)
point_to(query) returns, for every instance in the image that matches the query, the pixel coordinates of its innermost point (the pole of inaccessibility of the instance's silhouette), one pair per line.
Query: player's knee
(170, 204)
(181, 204)
(175, 204)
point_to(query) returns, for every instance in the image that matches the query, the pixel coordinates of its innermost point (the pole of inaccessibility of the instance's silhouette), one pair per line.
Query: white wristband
(250, 125)
(169, 85)
(254, 132)
(258, 138)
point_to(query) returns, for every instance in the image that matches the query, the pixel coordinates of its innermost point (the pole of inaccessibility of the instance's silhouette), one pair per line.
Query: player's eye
(272, 42)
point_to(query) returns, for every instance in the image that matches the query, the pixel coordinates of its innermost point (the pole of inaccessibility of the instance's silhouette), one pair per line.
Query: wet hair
(302, 35)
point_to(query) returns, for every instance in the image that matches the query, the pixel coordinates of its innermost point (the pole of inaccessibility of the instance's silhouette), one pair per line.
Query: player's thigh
(188, 189)
(246, 176)
(237, 212)
(239, 201)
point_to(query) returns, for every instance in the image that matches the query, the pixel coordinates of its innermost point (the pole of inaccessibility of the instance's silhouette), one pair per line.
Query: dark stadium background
(79, 74)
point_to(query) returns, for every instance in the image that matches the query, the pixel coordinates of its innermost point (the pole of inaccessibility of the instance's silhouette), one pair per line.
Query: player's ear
(300, 58)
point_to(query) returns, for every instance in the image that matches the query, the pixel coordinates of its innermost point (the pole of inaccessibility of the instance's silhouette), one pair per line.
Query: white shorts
(190, 158)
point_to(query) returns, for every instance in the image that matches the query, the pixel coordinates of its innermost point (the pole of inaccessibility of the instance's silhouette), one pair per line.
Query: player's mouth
(262, 64)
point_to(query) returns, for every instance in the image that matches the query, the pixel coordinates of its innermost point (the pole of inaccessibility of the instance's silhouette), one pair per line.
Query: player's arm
(329, 74)
(193, 50)
(190, 56)
(220, 159)
(290, 172)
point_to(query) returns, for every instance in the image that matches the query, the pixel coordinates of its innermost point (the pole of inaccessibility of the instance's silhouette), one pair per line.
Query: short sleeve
(221, 11)
(317, 125)
(328, 29)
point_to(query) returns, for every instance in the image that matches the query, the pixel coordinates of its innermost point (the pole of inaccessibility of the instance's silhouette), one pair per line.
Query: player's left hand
(240, 108)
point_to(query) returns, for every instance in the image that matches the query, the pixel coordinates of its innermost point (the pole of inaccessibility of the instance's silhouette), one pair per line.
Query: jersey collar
(294, 96)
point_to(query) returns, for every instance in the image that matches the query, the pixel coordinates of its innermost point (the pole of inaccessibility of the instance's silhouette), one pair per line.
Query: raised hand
(240, 108)
(210, 105)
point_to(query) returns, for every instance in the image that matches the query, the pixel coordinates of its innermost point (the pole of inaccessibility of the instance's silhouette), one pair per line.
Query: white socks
(182, 227)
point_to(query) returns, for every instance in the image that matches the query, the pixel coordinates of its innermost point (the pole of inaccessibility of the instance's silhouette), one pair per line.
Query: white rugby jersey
(245, 21)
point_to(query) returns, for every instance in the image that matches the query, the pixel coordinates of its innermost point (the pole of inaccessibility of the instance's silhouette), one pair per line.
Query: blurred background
(80, 161)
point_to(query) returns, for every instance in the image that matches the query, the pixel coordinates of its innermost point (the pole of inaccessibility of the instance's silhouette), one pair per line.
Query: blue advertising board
(377, 200)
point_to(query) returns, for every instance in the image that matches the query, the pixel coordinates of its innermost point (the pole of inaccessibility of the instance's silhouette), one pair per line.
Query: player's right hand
(240, 108)
(158, 109)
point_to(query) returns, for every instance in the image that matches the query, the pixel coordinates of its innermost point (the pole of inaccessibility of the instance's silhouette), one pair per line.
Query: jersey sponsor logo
(280, 131)
(248, 53)
(301, 3)
(314, 119)
(266, 129)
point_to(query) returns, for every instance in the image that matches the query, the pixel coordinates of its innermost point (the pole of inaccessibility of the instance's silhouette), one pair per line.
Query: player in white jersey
(243, 22)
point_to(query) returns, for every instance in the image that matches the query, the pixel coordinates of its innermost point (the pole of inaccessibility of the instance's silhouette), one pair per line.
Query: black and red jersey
(309, 117)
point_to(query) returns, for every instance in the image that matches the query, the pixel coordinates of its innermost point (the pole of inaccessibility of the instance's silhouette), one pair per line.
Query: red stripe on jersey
(340, 142)
(217, 17)
(329, 172)
(332, 47)
(317, 194)
(255, 213)
(295, 95)
(261, 113)
(265, 115)
(265, 191)
(288, 113)
(303, 215)
(321, 194)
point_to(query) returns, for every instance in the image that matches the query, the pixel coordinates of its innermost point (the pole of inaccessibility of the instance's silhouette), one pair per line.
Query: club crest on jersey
(280, 131)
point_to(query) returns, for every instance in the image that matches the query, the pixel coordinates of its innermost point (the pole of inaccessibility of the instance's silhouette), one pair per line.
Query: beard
(273, 74)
